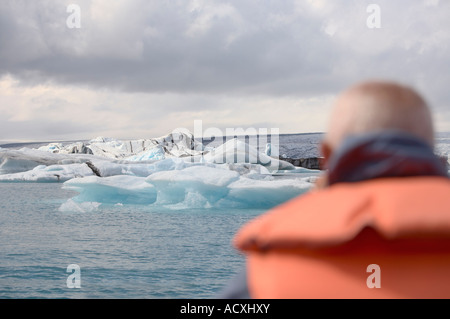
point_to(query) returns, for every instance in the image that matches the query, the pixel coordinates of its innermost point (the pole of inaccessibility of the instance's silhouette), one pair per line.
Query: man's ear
(326, 152)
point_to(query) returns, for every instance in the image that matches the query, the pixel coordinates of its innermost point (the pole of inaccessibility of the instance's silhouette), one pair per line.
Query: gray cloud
(202, 49)
(188, 46)
(212, 46)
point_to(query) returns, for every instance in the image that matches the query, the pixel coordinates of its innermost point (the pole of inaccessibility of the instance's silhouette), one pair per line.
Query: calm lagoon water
(122, 251)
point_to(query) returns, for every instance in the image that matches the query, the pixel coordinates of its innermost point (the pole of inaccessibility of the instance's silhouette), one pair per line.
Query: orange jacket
(322, 244)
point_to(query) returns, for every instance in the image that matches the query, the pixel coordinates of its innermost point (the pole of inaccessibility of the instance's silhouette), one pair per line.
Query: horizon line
(24, 142)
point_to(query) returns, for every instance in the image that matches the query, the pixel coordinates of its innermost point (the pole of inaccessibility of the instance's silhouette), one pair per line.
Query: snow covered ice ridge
(174, 171)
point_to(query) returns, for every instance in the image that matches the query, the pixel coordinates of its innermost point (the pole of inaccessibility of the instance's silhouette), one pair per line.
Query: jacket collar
(383, 154)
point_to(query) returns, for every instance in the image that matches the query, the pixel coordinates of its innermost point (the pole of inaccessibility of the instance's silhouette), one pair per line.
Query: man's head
(377, 106)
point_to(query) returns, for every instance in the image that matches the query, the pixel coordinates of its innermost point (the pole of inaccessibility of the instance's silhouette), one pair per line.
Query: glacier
(173, 171)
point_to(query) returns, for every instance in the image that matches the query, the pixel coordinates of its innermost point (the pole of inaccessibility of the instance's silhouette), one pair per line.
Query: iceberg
(73, 207)
(172, 171)
(112, 190)
(25, 159)
(206, 184)
(49, 174)
(155, 153)
(196, 186)
(264, 193)
(36, 172)
(236, 151)
(175, 144)
(52, 148)
(108, 157)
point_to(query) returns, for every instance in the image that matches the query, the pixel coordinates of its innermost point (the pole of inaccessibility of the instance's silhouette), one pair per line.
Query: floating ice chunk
(167, 165)
(77, 148)
(253, 171)
(206, 182)
(70, 206)
(74, 148)
(107, 168)
(191, 199)
(25, 159)
(27, 170)
(141, 169)
(112, 190)
(263, 193)
(236, 151)
(111, 149)
(11, 165)
(204, 175)
(144, 169)
(46, 174)
(195, 186)
(155, 153)
(180, 143)
(205, 187)
(176, 144)
(52, 147)
(13, 161)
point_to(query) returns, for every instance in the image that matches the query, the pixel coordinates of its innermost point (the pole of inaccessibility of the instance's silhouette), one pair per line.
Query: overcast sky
(139, 68)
